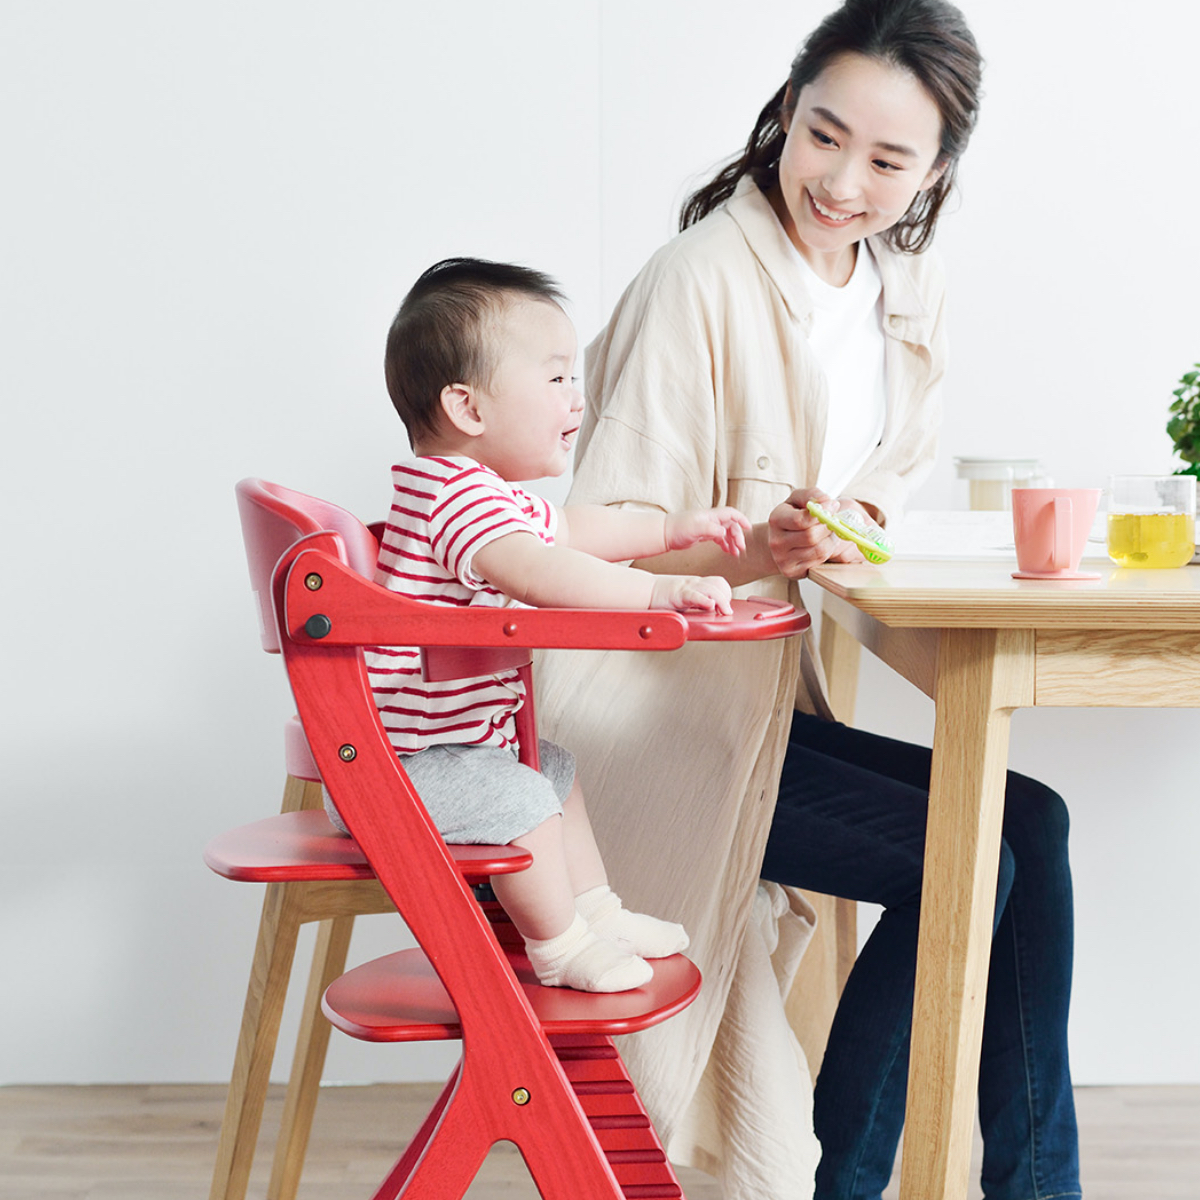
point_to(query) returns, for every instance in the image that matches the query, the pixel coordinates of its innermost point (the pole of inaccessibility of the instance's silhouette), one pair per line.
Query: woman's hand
(798, 541)
(725, 526)
(692, 593)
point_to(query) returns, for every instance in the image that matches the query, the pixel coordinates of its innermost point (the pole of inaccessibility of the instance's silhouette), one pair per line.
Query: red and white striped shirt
(443, 511)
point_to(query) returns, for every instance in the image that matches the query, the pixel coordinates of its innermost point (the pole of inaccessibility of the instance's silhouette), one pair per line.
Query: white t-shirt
(847, 340)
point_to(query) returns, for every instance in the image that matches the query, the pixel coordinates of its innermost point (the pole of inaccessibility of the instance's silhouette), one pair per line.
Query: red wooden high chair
(538, 1066)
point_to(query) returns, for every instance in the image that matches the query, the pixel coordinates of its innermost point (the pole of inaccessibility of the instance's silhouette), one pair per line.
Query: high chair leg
(399, 1174)
(269, 976)
(329, 961)
(447, 1152)
(441, 1167)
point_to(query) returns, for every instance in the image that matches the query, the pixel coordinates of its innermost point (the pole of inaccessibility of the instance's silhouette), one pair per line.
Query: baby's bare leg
(562, 950)
(541, 900)
(584, 863)
(595, 901)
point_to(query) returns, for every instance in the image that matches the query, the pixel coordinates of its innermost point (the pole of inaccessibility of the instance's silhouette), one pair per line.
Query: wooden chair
(831, 954)
(312, 875)
(539, 1067)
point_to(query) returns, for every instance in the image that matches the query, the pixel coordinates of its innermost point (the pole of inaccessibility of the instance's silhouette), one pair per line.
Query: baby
(478, 365)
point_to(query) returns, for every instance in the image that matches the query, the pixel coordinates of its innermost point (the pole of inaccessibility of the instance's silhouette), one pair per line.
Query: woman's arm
(526, 569)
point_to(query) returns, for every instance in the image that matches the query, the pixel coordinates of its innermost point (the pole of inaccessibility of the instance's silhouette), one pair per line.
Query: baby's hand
(725, 526)
(692, 593)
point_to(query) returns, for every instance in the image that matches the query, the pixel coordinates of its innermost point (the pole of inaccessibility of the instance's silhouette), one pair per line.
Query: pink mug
(1051, 527)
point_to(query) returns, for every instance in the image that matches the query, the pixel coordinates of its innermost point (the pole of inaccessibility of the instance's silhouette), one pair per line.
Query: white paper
(980, 535)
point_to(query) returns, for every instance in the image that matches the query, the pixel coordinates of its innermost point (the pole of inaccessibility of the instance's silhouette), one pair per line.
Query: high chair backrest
(274, 518)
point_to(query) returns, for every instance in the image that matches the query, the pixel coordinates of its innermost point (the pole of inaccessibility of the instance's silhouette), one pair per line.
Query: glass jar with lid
(986, 484)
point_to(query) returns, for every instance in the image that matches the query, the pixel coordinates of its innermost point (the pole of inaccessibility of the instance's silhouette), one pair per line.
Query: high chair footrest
(399, 998)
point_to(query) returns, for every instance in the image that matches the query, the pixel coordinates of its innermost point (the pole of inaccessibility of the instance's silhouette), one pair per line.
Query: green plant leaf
(1183, 426)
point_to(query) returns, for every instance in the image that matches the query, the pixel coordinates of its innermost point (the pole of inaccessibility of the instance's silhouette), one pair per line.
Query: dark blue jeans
(850, 821)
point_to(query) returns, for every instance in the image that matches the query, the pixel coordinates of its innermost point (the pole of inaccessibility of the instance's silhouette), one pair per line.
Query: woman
(790, 344)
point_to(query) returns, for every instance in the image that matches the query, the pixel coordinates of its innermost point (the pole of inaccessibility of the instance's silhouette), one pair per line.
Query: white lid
(997, 468)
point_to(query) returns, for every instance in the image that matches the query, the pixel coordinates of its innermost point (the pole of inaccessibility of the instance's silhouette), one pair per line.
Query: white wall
(210, 212)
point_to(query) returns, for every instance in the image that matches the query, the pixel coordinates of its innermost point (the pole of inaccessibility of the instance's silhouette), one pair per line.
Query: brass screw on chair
(521, 1096)
(313, 582)
(347, 753)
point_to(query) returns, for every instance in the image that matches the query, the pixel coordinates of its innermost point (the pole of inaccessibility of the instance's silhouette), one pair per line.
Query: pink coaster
(1059, 576)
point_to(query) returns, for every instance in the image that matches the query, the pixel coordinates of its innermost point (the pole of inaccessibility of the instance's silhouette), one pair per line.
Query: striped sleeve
(474, 508)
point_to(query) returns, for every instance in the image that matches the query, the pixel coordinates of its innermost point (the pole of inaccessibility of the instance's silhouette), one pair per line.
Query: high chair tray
(756, 619)
(399, 998)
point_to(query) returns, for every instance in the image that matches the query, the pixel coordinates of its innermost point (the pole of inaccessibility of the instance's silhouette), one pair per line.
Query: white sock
(579, 959)
(635, 932)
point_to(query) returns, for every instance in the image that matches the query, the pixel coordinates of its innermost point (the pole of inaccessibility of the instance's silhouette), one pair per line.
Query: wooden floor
(157, 1143)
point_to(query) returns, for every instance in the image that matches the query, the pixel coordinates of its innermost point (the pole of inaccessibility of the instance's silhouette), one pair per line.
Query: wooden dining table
(982, 644)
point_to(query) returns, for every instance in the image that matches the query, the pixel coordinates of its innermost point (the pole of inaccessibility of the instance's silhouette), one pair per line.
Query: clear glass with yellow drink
(1151, 520)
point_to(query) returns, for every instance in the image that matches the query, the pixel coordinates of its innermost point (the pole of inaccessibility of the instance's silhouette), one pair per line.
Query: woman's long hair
(928, 38)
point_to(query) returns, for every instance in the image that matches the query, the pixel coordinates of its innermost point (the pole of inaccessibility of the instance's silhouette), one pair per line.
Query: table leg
(840, 655)
(982, 675)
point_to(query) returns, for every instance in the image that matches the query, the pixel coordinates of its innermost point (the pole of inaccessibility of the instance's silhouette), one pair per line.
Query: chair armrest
(326, 602)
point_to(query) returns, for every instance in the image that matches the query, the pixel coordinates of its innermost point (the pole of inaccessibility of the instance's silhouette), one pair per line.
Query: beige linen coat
(703, 391)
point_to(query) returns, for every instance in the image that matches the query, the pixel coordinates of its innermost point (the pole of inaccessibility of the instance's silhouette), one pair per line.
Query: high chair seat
(307, 846)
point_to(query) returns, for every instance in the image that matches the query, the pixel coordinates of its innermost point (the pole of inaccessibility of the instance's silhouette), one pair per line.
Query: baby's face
(531, 409)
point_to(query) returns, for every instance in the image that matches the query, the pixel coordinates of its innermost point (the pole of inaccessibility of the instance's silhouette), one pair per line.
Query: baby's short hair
(443, 333)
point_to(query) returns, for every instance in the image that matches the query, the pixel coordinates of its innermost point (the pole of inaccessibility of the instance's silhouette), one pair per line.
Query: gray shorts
(482, 794)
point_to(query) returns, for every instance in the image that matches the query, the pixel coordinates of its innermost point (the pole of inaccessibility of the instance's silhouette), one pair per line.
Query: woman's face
(862, 141)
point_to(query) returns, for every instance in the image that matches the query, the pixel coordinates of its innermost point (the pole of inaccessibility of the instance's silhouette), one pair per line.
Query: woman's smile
(835, 216)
